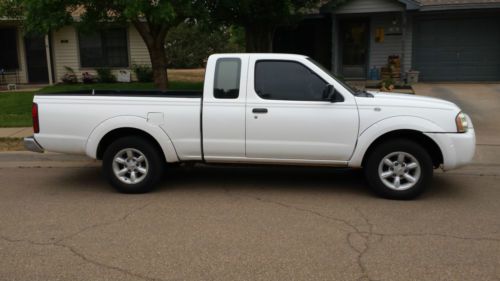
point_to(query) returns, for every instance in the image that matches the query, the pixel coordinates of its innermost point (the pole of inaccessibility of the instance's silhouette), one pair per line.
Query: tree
(152, 19)
(189, 44)
(259, 18)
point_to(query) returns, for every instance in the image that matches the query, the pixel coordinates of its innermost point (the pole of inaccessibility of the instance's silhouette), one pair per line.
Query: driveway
(60, 220)
(480, 101)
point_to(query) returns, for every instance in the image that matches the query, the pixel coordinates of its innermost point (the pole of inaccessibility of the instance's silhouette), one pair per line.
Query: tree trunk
(159, 65)
(259, 38)
(154, 38)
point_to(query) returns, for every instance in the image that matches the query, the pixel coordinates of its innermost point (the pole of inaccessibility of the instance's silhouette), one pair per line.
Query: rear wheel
(133, 165)
(399, 169)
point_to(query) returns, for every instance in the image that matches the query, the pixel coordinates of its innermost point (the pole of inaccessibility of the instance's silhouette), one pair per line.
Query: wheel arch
(417, 136)
(114, 128)
(409, 127)
(123, 132)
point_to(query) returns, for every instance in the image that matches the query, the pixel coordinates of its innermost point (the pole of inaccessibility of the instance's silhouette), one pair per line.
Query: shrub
(104, 75)
(144, 73)
(88, 78)
(387, 85)
(69, 77)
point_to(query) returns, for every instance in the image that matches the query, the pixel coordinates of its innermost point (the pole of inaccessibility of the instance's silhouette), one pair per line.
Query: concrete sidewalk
(16, 132)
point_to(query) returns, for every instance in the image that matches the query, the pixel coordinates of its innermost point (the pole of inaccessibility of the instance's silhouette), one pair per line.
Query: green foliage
(43, 15)
(39, 16)
(189, 44)
(144, 73)
(259, 17)
(237, 36)
(104, 75)
(259, 11)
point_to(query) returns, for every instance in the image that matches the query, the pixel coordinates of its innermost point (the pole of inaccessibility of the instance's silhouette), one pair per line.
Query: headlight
(462, 124)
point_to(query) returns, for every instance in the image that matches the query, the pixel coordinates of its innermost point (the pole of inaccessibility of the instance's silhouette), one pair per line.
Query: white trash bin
(123, 76)
(412, 76)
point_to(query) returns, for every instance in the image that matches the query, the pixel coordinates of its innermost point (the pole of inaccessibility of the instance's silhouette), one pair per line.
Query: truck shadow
(266, 177)
(329, 180)
(252, 178)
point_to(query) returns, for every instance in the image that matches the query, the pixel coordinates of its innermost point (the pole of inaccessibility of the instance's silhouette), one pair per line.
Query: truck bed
(69, 121)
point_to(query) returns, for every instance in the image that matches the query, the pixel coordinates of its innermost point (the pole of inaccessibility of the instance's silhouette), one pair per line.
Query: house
(445, 40)
(27, 58)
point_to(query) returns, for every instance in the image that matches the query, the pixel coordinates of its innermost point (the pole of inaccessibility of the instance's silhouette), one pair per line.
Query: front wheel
(133, 165)
(399, 169)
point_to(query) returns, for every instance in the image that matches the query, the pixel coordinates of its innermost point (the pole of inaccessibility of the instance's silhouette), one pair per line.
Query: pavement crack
(477, 239)
(367, 238)
(12, 240)
(97, 225)
(107, 266)
(350, 227)
(352, 230)
(74, 251)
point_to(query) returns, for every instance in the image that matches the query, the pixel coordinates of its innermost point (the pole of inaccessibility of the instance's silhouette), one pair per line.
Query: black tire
(154, 163)
(408, 147)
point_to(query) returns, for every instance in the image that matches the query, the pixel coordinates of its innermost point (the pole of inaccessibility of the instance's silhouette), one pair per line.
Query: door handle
(259, 110)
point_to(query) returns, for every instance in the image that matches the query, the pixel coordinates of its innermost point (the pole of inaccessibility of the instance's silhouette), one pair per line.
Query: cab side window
(227, 78)
(287, 80)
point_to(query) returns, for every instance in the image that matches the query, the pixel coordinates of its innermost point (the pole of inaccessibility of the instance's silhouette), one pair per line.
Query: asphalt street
(60, 220)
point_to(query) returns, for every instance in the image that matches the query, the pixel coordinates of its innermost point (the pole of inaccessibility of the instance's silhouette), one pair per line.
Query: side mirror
(330, 94)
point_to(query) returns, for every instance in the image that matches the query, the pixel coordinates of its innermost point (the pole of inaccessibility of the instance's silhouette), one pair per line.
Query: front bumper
(32, 145)
(458, 148)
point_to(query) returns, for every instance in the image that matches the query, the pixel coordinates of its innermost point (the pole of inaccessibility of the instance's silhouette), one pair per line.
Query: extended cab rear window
(227, 78)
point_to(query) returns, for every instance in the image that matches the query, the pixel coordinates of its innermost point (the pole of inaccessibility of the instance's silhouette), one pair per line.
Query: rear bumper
(458, 148)
(32, 145)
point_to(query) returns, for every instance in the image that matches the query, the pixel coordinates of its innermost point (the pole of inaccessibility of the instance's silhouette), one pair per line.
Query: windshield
(351, 89)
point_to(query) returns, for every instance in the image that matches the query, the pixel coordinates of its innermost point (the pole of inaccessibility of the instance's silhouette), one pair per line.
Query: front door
(288, 120)
(36, 59)
(354, 48)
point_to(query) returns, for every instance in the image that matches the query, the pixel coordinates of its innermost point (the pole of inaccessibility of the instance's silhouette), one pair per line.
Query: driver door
(287, 118)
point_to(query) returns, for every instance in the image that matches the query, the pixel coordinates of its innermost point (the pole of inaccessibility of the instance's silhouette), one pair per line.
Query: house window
(106, 48)
(8, 49)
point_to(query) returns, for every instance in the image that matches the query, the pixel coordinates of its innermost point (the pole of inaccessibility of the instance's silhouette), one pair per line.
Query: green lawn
(15, 107)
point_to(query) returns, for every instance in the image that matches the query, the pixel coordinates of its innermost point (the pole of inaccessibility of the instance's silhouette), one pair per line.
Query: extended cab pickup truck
(258, 109)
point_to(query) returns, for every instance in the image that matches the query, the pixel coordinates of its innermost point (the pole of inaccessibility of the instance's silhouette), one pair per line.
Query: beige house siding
(138, 51)
(65, 52)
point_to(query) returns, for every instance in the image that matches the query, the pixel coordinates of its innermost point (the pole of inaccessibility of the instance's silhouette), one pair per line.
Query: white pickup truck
(258, 109)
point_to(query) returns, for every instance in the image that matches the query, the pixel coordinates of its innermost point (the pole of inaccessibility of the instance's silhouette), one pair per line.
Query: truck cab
(274, 108)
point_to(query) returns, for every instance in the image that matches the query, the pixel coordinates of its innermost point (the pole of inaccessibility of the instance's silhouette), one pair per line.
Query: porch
(24, 59)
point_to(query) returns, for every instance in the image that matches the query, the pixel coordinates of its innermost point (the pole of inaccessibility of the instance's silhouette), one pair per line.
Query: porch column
(334, 44)
(49, 59)
(403, 44)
